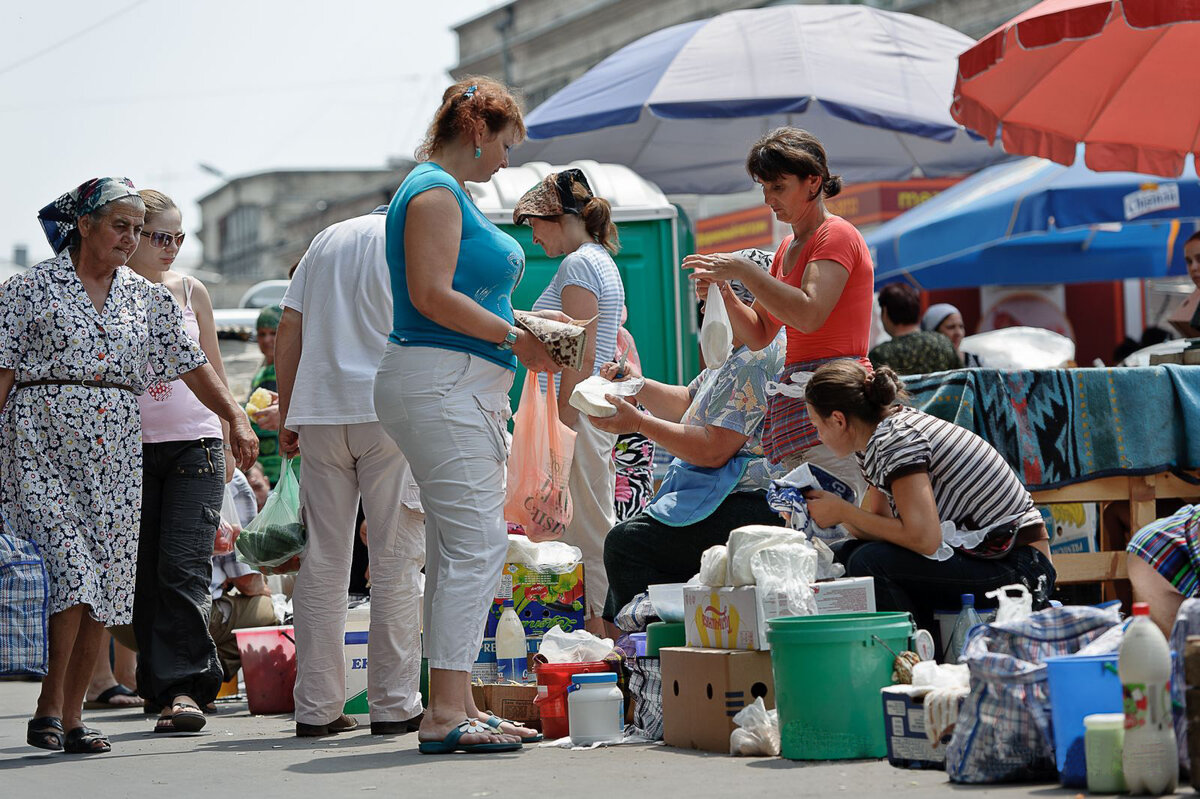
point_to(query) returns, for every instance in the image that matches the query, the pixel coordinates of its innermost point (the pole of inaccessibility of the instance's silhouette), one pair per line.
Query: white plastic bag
(579, 646)
(716, 334)
(758, 731)
(784, 574)
(549, 556)
(745, 541)
(714, 566)
(1012, 608)
(230, 526)
(827, 567)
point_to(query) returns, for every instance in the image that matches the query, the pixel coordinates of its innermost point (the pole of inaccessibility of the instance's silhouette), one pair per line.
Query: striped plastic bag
(24, 606)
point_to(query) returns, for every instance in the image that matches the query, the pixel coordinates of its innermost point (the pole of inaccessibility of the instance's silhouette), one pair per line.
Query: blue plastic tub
(1079, 686)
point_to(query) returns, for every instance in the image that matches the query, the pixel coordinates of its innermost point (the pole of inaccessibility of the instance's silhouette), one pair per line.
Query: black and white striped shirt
(973, 486)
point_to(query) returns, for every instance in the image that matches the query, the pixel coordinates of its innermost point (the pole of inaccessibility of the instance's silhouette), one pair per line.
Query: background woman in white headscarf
(944, 318)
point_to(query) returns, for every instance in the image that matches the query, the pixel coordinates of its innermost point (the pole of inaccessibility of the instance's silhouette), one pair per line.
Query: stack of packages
(543, 585)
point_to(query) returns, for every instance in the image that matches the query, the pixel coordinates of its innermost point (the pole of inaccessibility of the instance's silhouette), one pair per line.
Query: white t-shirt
(344, 292)
(592, 269)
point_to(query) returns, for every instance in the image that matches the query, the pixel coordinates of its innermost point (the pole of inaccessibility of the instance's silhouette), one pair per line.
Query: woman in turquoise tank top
(442, 391)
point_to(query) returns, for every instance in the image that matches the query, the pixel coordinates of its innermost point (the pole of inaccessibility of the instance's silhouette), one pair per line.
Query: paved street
(257, 756)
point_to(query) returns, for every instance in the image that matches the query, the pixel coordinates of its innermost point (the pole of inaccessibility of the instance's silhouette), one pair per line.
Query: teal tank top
(490, 264)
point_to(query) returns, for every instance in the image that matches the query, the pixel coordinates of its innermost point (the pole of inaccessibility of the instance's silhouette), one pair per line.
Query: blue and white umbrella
(682, 106)
(1035, 221)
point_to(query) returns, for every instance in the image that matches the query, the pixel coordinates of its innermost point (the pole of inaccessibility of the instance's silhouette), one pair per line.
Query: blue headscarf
(60, 217)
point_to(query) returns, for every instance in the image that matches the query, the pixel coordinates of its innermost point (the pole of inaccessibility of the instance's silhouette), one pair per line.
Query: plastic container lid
(968, 600)
(1104, 721)
(1141, 609)
(592, 679)
(508, 603)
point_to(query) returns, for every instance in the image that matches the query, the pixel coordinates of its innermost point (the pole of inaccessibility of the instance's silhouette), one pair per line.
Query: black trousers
(182, 490)
(906, 581)
(643, 551)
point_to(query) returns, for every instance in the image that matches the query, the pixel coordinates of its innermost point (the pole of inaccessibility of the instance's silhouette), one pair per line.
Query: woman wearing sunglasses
(183, 483)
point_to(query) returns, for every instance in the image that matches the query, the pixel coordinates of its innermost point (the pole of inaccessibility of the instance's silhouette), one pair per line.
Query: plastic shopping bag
(539, 466)
(716, 333)
(230, 527)
(276, 535)
(24, 606)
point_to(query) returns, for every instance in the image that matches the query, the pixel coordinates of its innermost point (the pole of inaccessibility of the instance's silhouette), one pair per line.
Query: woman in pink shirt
(183, 486)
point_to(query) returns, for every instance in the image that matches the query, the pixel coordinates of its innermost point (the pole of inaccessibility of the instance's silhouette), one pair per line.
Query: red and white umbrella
(1120, 76)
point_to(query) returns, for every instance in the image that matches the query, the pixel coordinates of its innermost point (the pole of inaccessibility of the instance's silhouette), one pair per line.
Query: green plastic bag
(276, 535)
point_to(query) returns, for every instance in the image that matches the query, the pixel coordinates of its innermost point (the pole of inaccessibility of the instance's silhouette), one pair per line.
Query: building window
(240, 248)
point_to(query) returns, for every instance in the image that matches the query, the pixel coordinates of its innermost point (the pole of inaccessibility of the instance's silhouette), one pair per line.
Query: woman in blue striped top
(442, 391)
(567, 219)
(944, 514)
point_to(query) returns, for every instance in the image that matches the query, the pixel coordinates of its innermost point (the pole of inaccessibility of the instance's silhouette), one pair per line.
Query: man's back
(344, 293)
(916, 353)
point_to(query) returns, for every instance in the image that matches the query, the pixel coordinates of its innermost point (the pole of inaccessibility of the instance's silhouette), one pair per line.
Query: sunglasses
(160, 239)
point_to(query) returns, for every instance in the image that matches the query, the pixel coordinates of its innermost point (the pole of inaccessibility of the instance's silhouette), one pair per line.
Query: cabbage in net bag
(276, 535)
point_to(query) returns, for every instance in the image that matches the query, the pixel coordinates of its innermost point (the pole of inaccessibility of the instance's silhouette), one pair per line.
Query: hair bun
(832, 186)
(882, 387)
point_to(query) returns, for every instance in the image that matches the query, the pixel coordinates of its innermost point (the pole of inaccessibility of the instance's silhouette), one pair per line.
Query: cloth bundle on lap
(1004, 732)
(24, 606)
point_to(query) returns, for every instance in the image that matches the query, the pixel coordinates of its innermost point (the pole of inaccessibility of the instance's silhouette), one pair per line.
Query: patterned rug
(1056, 427)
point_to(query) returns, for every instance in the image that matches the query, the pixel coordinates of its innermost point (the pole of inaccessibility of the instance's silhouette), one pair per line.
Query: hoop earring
(478, 152)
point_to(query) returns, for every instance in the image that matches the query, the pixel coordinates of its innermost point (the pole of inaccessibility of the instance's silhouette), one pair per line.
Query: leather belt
(84, 383)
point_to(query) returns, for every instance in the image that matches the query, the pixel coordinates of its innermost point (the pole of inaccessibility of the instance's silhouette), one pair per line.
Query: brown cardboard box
(509, 701)
(703, 689)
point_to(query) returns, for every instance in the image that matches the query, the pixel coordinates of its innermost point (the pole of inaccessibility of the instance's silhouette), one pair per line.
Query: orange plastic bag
(539, 465)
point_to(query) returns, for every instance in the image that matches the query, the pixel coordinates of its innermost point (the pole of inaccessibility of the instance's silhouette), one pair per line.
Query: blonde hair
(156, 202)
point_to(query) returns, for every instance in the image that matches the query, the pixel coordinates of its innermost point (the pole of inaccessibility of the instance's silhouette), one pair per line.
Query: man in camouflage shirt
(911, 351)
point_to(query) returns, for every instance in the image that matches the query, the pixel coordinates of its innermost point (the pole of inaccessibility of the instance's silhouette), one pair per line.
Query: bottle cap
(1141, 609)
(968, 600)
(508, 602)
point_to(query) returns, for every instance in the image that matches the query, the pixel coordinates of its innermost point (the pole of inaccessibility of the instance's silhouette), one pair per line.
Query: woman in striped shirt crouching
(944, 514)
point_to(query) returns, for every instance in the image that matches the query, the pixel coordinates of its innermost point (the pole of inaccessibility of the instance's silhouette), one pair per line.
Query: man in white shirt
(336, 320)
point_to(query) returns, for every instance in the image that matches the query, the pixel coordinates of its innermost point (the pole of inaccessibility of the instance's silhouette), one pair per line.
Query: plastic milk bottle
(1150, 759)
(512, 663)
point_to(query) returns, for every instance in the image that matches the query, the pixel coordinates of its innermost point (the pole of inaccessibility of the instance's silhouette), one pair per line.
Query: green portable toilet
(655, 236)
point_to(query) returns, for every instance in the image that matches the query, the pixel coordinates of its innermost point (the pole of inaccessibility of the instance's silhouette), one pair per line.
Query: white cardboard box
(736, 618)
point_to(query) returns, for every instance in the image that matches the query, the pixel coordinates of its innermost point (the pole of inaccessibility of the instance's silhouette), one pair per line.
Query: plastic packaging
(1103, 739)
(714, 565)
(967, 618)
(827, 567)
(588, 396)
(716, 334)
(745, 541)
(1012, 608)
(579, 646)
(276, 535)
(595, 709)
(537, 496)
(786, 495)
(549, 556)
(512, 661)
(667, 599)
(786, 572)
(1149, 758)
(758, 731)
(230, 526)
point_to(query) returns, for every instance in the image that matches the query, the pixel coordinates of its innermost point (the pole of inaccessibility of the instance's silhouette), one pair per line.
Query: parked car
(264, 293)
(239, 348)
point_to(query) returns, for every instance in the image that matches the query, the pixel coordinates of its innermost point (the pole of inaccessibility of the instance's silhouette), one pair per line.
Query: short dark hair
(791, 151)
(902, 303)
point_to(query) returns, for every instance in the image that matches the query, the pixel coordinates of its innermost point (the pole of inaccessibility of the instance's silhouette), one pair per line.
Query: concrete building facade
(255, 227)
(539, 46)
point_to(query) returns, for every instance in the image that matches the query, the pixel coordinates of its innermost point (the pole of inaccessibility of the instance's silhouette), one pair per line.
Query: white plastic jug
(1149, 756)
(595, 708)
(512, 660)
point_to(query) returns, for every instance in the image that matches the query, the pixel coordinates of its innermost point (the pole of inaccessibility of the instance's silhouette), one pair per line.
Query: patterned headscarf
(60, 217)
(554, 196)
(762, 259)
(269, 318)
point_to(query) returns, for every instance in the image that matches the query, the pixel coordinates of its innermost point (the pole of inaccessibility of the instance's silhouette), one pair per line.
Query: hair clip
(469, 93)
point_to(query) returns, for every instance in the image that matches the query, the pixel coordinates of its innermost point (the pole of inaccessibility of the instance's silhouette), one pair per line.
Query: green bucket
(828, 674)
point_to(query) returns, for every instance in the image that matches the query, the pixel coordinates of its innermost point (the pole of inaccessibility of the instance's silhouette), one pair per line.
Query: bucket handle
(285, 635)
(879, 641)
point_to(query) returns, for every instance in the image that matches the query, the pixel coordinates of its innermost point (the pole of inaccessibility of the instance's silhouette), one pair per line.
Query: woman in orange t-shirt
(819, 288)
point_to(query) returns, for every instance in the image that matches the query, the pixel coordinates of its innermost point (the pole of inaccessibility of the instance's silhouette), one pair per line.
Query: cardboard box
(908, 745)
(845, 595)
(541, 599)
(508, 701)
(703, 689)
(1072, 526)
(736, 618)
(484, 669)
(358, 623)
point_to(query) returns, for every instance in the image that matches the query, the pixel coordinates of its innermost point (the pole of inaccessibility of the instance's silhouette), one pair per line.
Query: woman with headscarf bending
(81, 336)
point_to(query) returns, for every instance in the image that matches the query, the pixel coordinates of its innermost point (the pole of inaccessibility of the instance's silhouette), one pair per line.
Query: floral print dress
(71, 455)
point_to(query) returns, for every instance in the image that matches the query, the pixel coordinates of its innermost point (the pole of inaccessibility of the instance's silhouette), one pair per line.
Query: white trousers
(593, 486)
(447, 412)
(342, 463)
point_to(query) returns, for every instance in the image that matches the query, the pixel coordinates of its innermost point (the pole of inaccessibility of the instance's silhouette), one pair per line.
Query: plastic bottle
(595, 708)
(967, 618)
(1149, 756)
(512, 661)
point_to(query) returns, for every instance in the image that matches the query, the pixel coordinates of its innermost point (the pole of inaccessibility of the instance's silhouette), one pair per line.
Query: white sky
(150, 88)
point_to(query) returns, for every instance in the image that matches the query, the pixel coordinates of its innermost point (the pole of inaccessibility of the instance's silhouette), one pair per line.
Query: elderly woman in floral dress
(81, 336)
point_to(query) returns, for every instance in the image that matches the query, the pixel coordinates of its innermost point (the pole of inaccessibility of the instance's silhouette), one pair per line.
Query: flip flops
(183, 718)
(86, 741)
(451, 743)
(45, 732)
(495, 721)
(104, 700)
